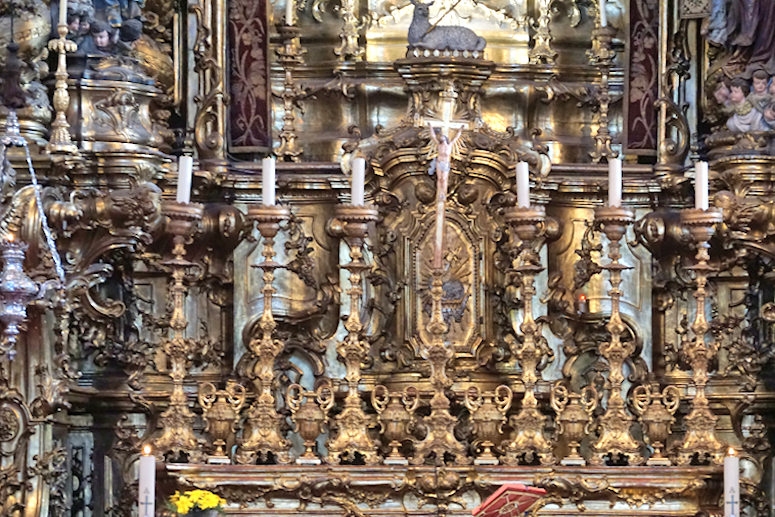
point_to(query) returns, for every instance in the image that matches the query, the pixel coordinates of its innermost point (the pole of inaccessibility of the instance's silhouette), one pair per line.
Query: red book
(510, 500)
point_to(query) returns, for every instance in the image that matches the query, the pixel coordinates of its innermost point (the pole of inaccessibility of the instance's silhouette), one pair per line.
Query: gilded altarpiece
(407, 354)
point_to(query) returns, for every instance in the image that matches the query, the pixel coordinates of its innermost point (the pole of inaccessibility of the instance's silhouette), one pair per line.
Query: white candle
(603, 19)
(701, 185)
(523, 185)
(268, 180)
(185, 171)
(146, 498)
(358, 181)
(289, 12)
(62, 12)
(731, 484)
(614, 182)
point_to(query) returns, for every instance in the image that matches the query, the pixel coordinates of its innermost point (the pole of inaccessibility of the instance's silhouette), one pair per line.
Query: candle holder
(440, 442)
(528, 438)
(574, 418)
(350, 439)
(656, 412)
(262, 438)
(177, 420)
(615, 441)
(351, 27)
(488, 415)
(60, 141)
(603, 56)
(700, 442)
(290, 55)
(542, 51)
(309, 413)
(602, 53)
(395, 412)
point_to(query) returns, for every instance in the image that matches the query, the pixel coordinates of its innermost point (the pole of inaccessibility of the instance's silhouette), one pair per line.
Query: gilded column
(211, 99)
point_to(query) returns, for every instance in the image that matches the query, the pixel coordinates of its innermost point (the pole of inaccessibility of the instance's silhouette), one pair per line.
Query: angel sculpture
(440, 167)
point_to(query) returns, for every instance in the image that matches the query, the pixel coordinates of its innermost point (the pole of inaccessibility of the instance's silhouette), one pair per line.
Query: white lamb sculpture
(442, 37)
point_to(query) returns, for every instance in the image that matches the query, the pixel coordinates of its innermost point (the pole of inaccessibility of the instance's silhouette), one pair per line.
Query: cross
(445, 125)
(448, 97)
(146, 503)
(732, 504)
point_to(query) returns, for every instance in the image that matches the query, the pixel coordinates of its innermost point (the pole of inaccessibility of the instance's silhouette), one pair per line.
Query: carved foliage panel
(643, 72)
(249, 117)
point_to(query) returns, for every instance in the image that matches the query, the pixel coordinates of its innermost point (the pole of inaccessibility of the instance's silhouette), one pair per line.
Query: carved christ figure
(443, 155)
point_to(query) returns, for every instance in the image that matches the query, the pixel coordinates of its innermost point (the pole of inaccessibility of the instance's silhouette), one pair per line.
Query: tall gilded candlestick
(440, 442)
(700, 441)
(542, 52)
(354, 348)
(263, 436)
(528, 438)
(289, 55)
(602, 55)
(615, 442)
(177, 421)
(60, 140)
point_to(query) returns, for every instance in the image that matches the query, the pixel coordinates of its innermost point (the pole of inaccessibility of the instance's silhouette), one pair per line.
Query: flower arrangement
(196, 500)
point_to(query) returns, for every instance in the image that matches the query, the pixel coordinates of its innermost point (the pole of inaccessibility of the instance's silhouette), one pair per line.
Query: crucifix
(443, 156)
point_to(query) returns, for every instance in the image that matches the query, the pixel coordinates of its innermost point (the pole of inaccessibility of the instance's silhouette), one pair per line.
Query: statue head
(130, 30)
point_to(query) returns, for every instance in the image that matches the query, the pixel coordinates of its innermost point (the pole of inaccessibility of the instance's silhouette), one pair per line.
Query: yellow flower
(195, 500)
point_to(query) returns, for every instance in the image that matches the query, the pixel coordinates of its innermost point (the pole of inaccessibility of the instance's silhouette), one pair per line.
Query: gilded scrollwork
(52, 469)
(576, 489)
